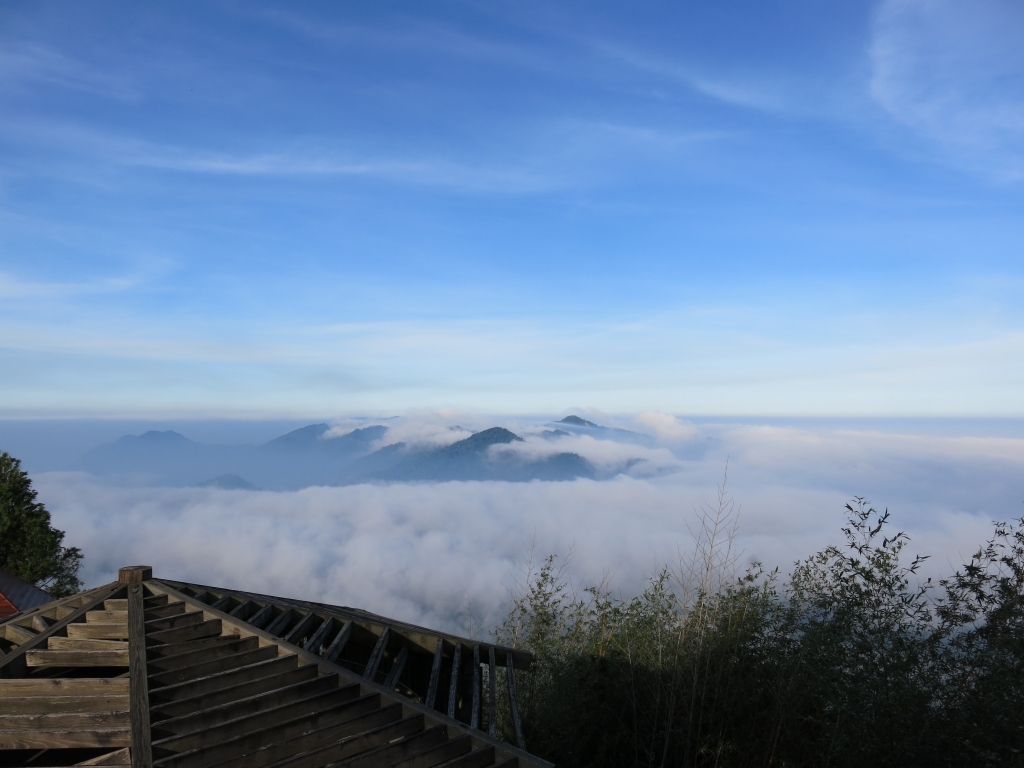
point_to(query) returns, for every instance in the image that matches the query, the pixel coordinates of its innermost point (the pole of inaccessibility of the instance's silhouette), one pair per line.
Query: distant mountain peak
(481, 440)
(576, 421)
(155, 437)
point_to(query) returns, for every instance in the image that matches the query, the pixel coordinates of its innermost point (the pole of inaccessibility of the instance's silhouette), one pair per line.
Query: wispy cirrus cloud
(26, 64)
(954, 74)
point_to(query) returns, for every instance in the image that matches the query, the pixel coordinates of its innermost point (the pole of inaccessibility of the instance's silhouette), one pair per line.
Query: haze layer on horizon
(223, 210)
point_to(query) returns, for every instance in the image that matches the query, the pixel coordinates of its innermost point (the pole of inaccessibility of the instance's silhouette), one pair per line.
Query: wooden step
(66, 739)
(99, 631)
(116, 605)
(42, 705)
(206, 699)
(76, 686)
(106, 617)
(60, 721)
(85, 644)
(77, 658)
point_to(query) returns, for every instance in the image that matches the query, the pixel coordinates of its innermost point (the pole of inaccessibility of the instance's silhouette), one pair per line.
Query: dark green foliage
(31, 548)
(851, 661)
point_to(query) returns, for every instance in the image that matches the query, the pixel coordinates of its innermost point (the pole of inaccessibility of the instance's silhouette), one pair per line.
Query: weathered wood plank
(333, 700)
(210, 628)
(62, 721)
(40, 623)
(99, 631)
(142, 751)
(42, 705)
(119, 604)
(75, 686)
(233, 646)
(47, 658)
(453, 689)
(435, 674)
(107, 617)
(233, 710)
(378, 653)
(168, 650)
(134, 574)
(18, 635)
(225, 679)
(258, 740)
(91, 737)
(212, 666)
(85, 644)
(513, 704)
(205, 700)
(327, 745)
(162, 611)
(161, 623)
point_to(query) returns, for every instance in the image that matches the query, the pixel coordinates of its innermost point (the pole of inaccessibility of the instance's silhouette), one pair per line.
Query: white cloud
(954, 73)
(666, 426)
(422, 552)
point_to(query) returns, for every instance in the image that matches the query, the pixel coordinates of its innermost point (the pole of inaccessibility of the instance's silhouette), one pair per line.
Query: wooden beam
(474, 717)
(119, 757)
(210, 628)
(43, 705)
(185, 619)
(72, 686)
(378, 653)
(46, 658)
(99, 631)
(40, 623)
(204, 700)
(513, 704)
(107, 617)
(223, 603)
(212, 666)
(121, 604)
(492, 685)
(338, 644)
(319, 638)
(435, 674)
(85, 644)
(232, 646)
(243, 609)
(142, 750)
(301, 630)
(67, 739)
(453, 689)
(134, 574)
(279, 626)
(262, 616)
(17, 634)
(61, 721)
(396, 669)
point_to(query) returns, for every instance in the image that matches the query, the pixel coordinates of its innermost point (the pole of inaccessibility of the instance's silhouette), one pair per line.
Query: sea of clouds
(449, 554)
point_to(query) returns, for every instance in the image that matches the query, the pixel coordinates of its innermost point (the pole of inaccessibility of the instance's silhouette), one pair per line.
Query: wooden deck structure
(155, 673)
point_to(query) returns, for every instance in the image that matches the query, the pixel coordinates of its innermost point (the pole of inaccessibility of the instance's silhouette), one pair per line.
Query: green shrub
(850, 661)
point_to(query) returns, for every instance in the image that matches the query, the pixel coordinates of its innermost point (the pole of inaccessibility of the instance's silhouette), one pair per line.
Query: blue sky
(243, 209)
